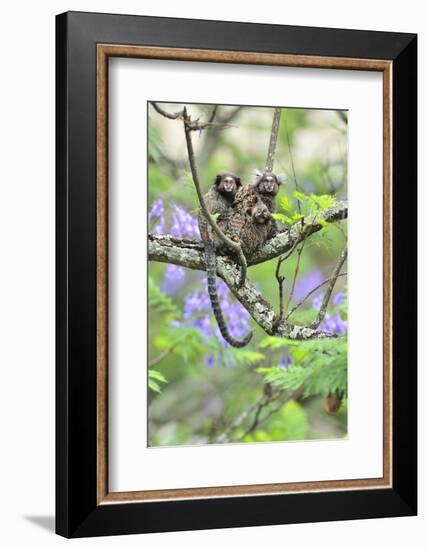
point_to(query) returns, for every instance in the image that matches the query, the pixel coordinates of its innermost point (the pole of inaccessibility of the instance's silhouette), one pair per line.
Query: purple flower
(160, 227)
(204, 325)
(183, 223)
(237, 318)
(338, 298)
(173, 278)
(195, 302)
(307, 283)
(334, 324)
(226, 359)
(317, 301)
(285, 362)
(209, 362)
(157, 211)
(197, 312)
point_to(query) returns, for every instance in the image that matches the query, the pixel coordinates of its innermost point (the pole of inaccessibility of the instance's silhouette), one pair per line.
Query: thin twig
(214, 112)
(273, 139)
(280, 278)
(292, 249)
(291, 157)
(192, 125)
(281, 397)
(257, 407)
(296, 272)
(228, 242)
(289, 397)
(224, 437)
(329, 290)
(303, 234)
(160, 357)
(293, 170)
(261, 405)
(343, 116)
(312, 292)
(171, 116)
(263, 402)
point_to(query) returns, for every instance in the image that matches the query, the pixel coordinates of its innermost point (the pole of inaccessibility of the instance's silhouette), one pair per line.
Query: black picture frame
(77, 512)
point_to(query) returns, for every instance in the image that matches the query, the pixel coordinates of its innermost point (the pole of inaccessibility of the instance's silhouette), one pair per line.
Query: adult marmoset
(218, 200)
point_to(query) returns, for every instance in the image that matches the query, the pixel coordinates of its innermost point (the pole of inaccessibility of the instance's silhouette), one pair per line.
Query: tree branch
(171, 116)
(273, 139)
(189, 253)
(192, 125)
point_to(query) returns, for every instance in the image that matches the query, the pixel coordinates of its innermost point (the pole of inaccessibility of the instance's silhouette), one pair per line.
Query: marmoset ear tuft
(256, 178)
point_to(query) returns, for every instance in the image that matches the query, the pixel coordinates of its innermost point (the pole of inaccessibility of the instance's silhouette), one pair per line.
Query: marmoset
(249, 223)
(218, 200)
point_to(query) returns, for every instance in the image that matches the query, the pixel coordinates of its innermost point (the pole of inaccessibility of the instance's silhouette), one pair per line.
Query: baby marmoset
(249, 223)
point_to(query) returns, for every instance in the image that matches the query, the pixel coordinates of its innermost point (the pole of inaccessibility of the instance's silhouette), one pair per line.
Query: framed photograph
(236, 274)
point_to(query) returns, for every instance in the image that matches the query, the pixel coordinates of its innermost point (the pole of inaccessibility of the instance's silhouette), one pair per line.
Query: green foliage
(242, 357)
(160, 302)
(154, 379)
(155, 143)
(274, 342)
(321, 241)
(311, 208)
(343, 307)
(290, 423)
(319, 367)
(187, 342)
(289, 220)
(285, 203)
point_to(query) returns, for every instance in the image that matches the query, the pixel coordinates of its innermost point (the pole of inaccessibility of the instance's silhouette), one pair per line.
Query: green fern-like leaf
(154, 379)
(159, 301)
(318, 366)
(274, 342)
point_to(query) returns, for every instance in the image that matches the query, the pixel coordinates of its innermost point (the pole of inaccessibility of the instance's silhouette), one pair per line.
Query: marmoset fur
(249, 223)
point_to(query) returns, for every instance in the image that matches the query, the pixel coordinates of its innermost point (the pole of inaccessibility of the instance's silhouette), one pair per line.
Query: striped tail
(210, 260)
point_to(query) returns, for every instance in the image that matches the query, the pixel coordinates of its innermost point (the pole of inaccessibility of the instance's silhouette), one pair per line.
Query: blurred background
(200, 389)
